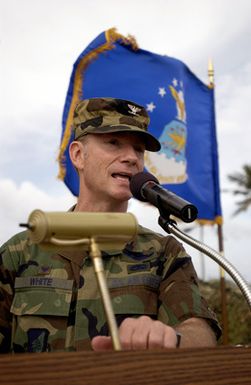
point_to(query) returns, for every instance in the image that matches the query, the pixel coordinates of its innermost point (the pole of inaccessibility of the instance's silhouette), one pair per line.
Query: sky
(40, 41)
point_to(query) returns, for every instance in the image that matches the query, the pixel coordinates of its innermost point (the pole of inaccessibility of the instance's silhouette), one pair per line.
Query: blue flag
(180, 106)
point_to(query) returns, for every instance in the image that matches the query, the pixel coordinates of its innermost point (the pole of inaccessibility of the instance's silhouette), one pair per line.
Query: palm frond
(243, 180)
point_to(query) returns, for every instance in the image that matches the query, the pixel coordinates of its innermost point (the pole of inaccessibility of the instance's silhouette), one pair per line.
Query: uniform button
(117, 300)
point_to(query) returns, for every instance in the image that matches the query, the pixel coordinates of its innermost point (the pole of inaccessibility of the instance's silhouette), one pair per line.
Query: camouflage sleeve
(180, 295)
(7, 277)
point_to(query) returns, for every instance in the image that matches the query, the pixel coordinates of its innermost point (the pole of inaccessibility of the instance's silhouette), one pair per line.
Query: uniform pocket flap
(42, 296)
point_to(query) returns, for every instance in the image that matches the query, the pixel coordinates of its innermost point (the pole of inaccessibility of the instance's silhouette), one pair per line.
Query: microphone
(146, 188)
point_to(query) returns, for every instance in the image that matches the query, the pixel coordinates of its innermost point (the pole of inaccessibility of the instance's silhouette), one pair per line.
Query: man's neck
(118, 207)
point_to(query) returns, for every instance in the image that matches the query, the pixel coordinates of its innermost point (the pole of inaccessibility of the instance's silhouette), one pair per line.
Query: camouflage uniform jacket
(51, 302)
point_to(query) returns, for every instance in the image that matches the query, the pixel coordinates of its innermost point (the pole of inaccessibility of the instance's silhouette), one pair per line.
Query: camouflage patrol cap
(107, 115)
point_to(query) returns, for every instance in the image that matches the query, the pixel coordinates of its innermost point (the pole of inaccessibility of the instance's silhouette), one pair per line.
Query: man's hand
(139, 334)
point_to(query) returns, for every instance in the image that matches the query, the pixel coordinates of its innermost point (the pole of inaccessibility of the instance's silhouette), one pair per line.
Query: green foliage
(243, 181)
(238, 312)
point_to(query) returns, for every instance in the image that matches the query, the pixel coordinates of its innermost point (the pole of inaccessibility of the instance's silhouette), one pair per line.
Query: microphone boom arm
(169, 226)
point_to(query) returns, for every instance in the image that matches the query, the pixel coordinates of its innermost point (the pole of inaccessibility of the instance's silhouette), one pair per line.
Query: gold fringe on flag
(217, 220)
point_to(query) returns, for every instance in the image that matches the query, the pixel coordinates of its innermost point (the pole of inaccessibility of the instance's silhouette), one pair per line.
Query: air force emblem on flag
(169, 164)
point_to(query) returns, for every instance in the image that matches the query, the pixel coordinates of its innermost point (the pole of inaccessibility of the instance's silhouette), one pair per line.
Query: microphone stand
(170, 227)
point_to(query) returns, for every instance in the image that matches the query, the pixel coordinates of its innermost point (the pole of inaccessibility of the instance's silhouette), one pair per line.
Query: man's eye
(140, 150)
(113, 142)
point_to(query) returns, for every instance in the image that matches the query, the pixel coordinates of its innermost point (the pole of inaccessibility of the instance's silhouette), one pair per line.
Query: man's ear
(76, 152)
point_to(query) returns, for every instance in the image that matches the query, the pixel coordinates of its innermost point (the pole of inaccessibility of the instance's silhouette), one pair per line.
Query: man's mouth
(122, 176)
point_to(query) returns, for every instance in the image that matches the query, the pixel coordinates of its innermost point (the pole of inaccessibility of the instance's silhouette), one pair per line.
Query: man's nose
(130, 155)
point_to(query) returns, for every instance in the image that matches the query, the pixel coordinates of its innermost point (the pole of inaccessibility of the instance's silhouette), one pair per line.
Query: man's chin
(122, 196)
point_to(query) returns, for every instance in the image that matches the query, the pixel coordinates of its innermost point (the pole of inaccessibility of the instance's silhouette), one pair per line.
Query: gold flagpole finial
(210, 74)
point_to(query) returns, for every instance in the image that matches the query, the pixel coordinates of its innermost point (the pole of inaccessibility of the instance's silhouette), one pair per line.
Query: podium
(202, 366)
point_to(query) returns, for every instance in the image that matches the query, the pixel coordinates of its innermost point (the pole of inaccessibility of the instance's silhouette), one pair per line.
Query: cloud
(233, 115)
(18, 201)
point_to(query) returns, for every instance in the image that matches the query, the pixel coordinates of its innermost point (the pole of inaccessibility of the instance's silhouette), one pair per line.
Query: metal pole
(104, 292)
(202, 257)
(220, 243)
(223, 291)
(210, 74)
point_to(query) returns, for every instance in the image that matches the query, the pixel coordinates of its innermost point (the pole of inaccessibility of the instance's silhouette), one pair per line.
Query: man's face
(109, 162)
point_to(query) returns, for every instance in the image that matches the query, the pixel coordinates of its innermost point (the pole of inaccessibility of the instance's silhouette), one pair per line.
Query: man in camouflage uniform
(51, 302)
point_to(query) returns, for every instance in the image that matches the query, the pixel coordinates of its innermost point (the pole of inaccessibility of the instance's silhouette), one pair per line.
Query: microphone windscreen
(138, 181)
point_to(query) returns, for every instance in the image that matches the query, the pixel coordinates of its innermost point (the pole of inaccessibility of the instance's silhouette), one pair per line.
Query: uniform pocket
(40, 308)
(135, 295)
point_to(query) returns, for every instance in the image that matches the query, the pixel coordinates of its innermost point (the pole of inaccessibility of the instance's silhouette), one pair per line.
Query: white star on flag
(175, 82)
(162, 91)
(150, 107)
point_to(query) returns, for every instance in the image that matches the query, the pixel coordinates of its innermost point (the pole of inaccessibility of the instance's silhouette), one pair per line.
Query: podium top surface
(203, 366)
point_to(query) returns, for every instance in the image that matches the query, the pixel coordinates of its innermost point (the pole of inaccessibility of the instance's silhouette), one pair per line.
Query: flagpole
(210, 74)
(223, 290)
(202, 256)
(220, 243)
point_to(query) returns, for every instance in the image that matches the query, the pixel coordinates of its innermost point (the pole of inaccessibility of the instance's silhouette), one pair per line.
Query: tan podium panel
(204, 366)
